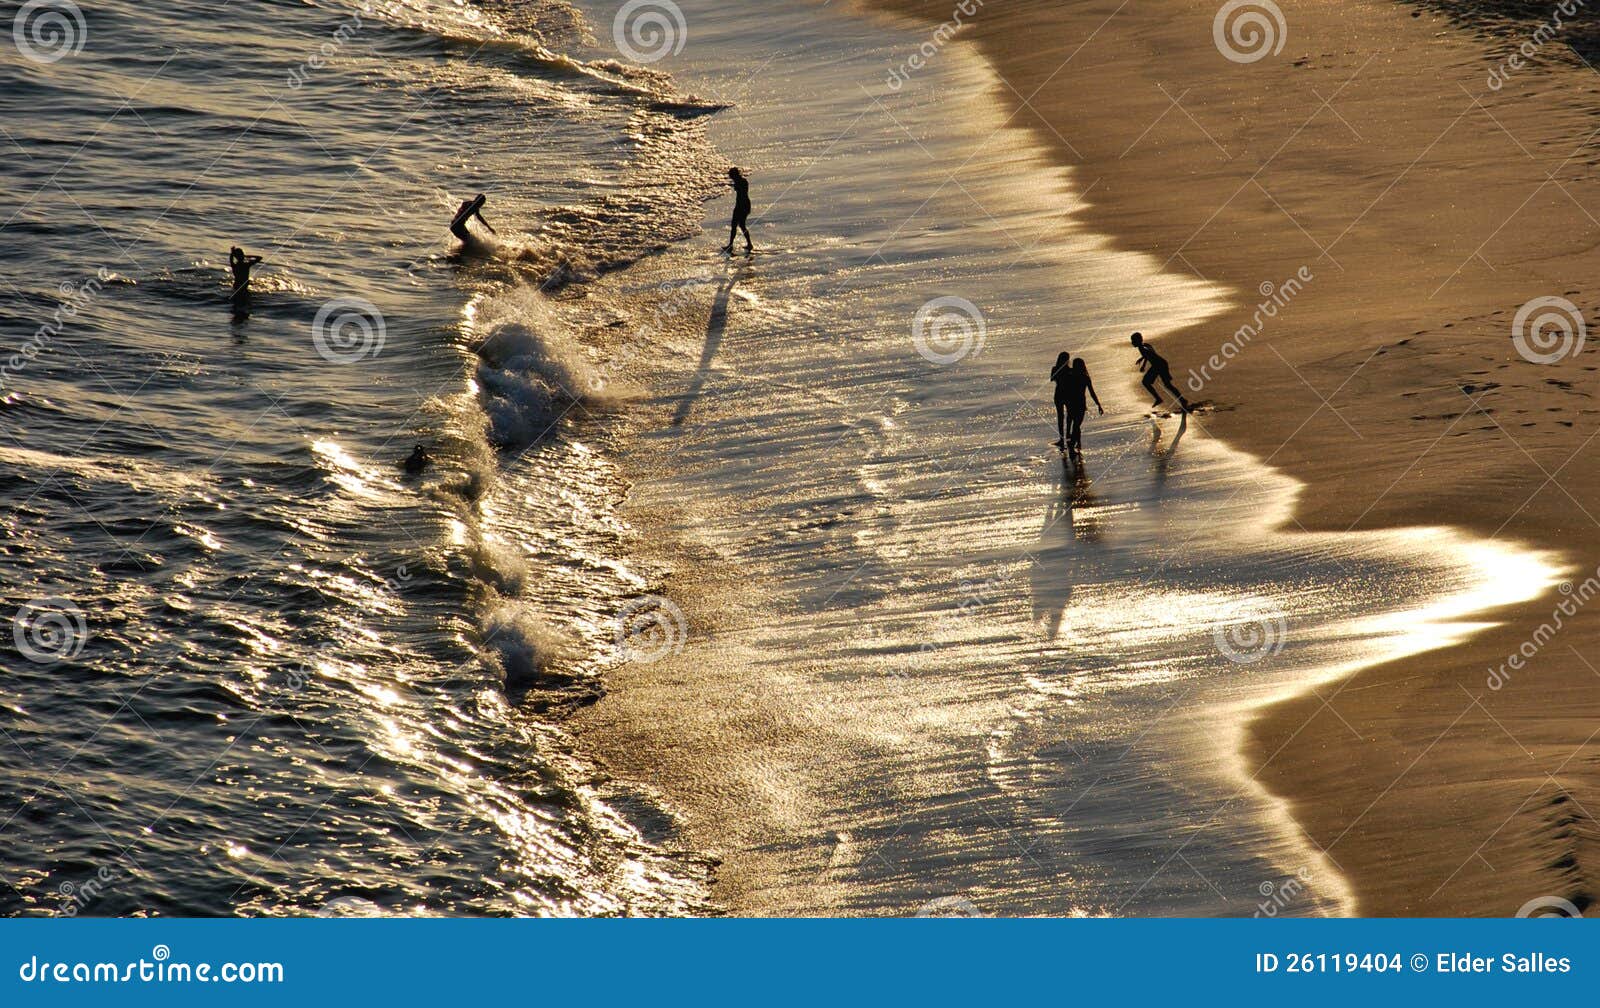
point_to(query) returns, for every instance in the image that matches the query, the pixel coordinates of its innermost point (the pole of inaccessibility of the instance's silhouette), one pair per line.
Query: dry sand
(1429, 207)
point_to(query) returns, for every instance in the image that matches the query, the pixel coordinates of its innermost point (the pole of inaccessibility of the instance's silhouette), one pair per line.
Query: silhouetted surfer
(741, 210)
(464, 213)
(241, 265)
(1155, 367)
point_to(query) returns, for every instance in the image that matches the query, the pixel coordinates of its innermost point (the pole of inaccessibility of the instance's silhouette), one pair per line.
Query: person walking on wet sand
(1155, 367)
(741, 210)
(1073, 388)
(1078, 384)
(1061, 374)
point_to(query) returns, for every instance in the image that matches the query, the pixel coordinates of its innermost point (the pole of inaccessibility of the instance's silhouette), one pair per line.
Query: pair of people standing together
(1074, 388)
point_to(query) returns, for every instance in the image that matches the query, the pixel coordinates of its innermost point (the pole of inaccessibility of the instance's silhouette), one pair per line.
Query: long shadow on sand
(1051, 576)
(716, 325)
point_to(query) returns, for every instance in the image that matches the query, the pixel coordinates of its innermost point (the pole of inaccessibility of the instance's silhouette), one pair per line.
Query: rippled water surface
(298, 678)
(262, 670)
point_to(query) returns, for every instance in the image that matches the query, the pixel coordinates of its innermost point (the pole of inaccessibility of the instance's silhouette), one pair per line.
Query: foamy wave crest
(527, 650)
(498, 565)
(532, 369)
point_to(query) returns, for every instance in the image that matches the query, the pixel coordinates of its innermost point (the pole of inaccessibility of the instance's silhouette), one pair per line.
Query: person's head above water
(735, 173)
(1079, 367)
(1062, 360)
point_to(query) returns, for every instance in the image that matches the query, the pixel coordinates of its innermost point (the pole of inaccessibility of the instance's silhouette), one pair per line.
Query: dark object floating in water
(416, 462)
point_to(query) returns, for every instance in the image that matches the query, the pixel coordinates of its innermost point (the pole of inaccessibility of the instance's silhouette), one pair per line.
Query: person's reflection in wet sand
(1163, 456)
(716, 326)
(1053, 554)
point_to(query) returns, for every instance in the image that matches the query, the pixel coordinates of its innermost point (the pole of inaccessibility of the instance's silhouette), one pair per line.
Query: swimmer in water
(465, 212)
(741, 210)
(417, 461)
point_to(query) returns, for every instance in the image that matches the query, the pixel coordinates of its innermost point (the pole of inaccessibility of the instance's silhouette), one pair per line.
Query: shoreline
(886, 742)
(1363, 152)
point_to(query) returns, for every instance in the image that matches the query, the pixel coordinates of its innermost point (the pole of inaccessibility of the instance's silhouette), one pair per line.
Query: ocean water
(254, 668)
(257, 669)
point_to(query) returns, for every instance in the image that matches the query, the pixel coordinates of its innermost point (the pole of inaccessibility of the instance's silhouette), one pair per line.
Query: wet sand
(1428, 207)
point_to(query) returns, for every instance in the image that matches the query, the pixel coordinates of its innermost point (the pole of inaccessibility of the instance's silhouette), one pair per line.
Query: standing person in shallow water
(1155, 367)
(241, 265)
(741, 210)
